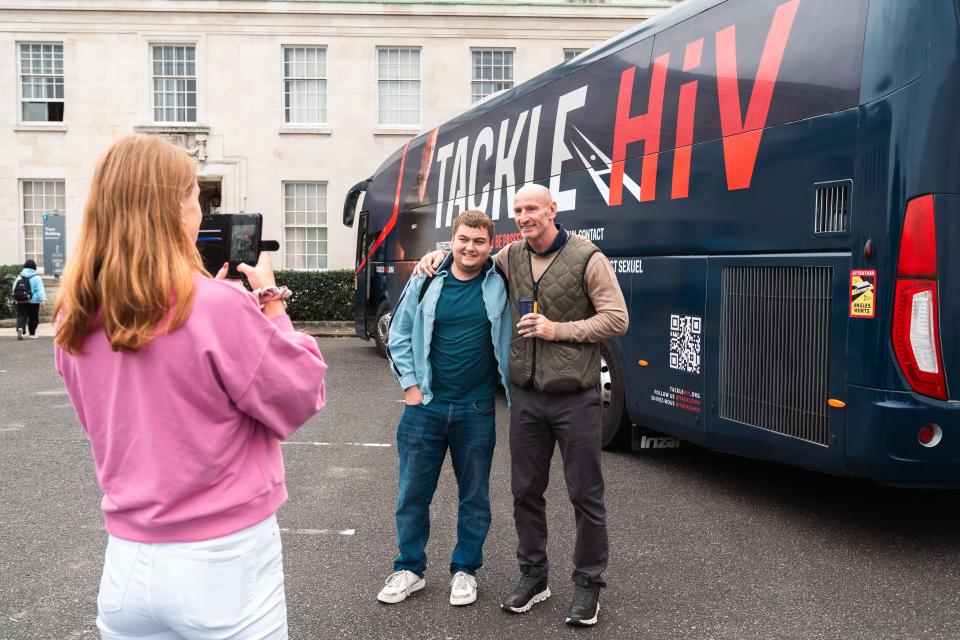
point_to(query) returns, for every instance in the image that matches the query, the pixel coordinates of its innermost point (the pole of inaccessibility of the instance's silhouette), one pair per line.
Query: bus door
(776, 327)
(361, 278)
(664, 370)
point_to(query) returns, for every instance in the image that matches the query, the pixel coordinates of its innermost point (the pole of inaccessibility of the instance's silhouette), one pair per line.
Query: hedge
(8, 273)
(317, 295)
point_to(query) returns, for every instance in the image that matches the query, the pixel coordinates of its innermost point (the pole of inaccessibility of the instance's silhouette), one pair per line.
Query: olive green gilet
(553, 367)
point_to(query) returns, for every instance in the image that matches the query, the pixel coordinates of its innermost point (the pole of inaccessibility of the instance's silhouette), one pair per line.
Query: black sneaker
(585, 606)
(529, 591)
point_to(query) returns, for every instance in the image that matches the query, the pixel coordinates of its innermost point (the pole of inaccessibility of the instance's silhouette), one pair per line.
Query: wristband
(272, 293)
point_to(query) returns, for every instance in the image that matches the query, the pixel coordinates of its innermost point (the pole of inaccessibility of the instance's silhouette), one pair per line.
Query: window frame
(21, 218)
(151, 92)
(569, 53)
(319, 124)
(325, 256)
(473, 68)
(54, 124)
(419, 81)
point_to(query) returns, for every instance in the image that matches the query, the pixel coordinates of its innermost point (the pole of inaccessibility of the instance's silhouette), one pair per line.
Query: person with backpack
(448, 347)
(29, 295)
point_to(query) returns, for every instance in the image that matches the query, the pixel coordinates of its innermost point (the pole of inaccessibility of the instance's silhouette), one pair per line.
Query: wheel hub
(383, 327)
(606, 384)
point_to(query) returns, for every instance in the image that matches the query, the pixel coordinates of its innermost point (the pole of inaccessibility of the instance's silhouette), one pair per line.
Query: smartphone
(231, 238)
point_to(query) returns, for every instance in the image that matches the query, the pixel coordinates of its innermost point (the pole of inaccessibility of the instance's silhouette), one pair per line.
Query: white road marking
(320, 532)
(55, 392)
(339, 444)
(11, 427)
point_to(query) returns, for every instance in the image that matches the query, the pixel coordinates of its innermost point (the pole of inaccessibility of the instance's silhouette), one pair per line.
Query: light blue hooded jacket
(411, 328)
(36, 285)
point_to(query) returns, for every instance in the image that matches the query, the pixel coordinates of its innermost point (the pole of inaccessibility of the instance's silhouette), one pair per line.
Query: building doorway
(210, 194)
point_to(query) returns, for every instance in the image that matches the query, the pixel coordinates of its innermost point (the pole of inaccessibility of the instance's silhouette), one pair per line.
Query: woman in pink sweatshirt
(185, 387)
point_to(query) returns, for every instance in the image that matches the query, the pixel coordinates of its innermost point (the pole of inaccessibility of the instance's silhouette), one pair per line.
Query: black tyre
(616, 424)
(381, 327)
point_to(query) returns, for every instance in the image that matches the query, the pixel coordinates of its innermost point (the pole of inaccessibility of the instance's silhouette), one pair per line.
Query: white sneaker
(463, 589)
(34, 337)
(399, 585)
(19, 333)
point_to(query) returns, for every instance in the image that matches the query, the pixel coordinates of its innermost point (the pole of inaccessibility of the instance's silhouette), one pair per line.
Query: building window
(39, 197)
(305, 85)
(492, 72)
(398, 87)
(174, 83)
(41, 82)
(570, 54)
(305, 225)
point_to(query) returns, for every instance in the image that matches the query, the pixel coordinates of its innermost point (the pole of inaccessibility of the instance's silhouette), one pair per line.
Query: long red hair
(134, 261)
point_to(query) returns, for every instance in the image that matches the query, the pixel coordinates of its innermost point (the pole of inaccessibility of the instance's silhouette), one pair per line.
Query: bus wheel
(616, 425)
(381, 330)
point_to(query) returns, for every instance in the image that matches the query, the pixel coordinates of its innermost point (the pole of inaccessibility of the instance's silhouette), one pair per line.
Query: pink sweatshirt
(186, 432)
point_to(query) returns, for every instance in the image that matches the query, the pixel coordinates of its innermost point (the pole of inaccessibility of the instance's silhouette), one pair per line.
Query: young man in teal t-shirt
(449, 345)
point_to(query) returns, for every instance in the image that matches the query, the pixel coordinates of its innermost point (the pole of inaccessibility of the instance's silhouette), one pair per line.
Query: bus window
(895, 49)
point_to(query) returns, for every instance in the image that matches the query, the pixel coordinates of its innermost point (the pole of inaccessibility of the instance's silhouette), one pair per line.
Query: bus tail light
(916, 326)
(916, 336)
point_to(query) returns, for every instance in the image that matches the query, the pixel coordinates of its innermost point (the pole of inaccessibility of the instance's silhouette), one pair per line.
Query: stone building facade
(283, 104)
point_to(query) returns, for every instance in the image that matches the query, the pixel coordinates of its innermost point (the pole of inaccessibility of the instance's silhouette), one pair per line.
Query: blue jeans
(423, 436)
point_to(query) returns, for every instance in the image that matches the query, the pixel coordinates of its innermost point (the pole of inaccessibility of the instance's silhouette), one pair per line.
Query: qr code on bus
(685, 343)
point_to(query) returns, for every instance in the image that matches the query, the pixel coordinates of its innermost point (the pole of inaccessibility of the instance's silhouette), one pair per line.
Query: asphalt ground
(703, 545)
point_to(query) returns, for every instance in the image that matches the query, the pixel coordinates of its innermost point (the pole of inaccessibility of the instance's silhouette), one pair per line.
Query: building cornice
(559, 8)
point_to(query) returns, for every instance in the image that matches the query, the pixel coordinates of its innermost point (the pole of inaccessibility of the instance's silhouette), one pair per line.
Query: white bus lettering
(566, 200)
(485, 142)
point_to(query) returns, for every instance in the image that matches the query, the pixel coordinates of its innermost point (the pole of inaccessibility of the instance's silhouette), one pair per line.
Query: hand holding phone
(261, 275)
(234, 239)
(245, 232)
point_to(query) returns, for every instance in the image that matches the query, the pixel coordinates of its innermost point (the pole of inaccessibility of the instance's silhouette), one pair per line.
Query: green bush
(8, 273)
(319, 295)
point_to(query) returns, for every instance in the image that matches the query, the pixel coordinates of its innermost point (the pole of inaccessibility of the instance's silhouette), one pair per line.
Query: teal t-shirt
(462, 361)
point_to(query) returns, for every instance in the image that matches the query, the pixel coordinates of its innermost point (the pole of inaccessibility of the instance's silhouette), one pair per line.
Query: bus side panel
(775, 336)
(666, 333)
(388, 280)
(896, 160)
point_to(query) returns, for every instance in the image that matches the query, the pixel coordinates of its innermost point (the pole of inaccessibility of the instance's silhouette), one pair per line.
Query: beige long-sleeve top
(601, 284)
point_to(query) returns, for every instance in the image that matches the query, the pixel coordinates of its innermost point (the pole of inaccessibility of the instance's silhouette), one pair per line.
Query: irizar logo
(659, 443)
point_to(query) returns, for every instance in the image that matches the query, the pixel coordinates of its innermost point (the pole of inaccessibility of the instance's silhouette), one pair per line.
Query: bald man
(568, 300)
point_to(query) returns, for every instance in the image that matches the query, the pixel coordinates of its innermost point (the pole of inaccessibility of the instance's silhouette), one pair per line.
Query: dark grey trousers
(539, 422)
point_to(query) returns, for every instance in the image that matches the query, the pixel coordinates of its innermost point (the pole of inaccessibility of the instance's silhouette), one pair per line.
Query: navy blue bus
(776, 184)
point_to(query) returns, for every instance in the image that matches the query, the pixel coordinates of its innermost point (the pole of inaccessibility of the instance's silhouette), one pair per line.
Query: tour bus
(776, 184)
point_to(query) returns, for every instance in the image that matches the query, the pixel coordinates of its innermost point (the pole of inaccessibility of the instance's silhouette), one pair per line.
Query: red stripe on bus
(396, 212)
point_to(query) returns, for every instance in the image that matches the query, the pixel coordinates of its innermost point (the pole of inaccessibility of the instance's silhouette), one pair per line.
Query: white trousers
(229, 587)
